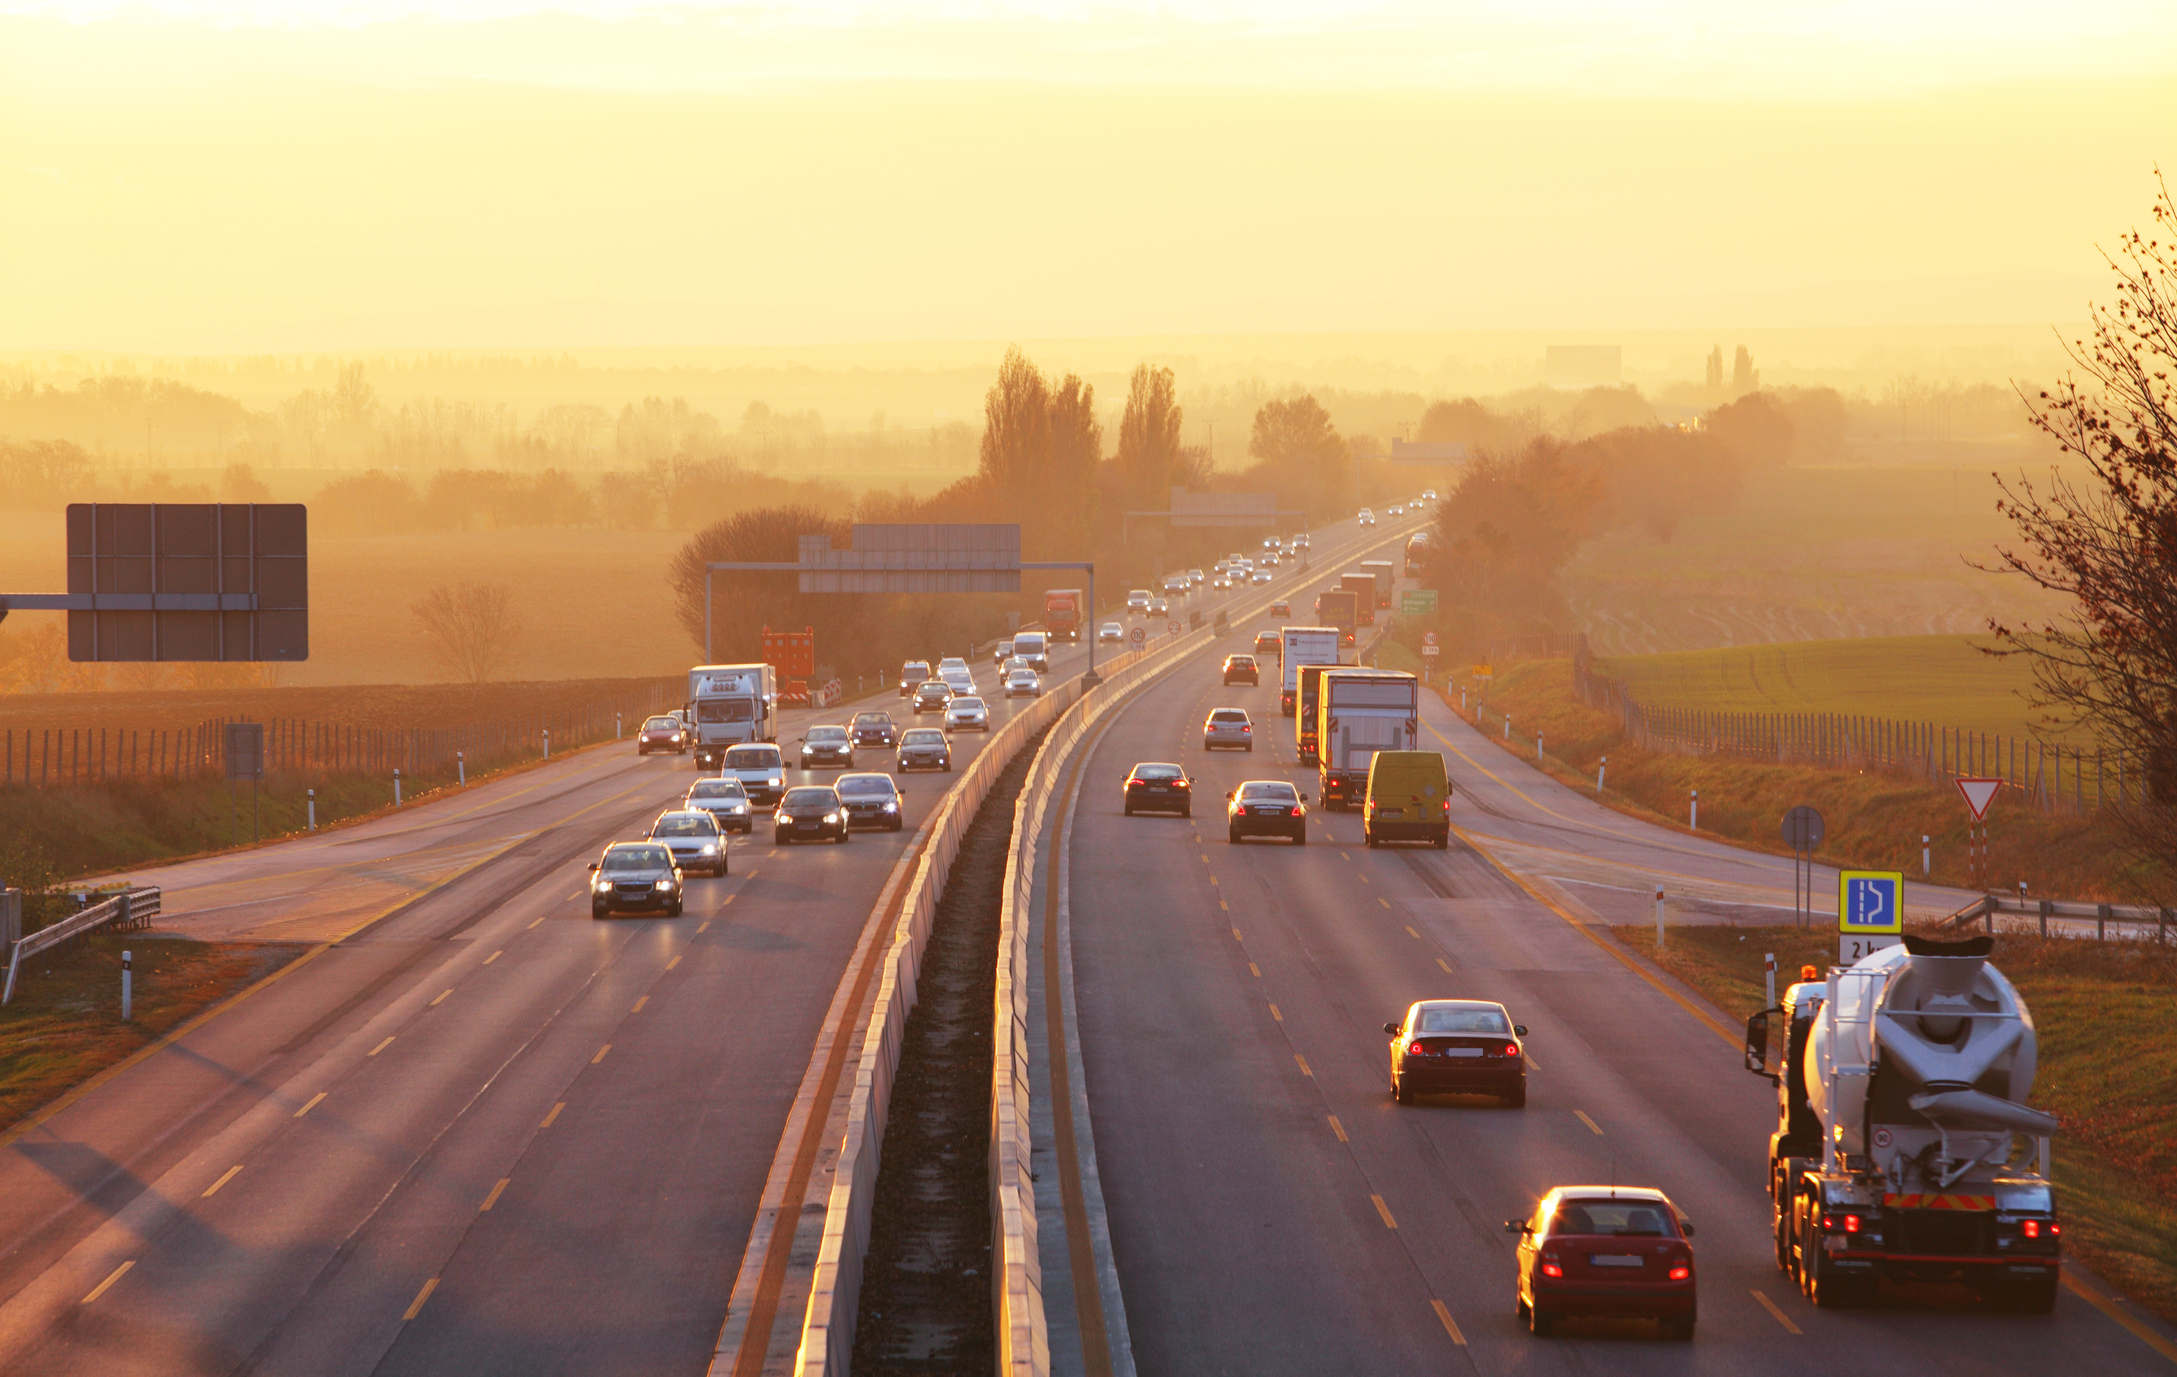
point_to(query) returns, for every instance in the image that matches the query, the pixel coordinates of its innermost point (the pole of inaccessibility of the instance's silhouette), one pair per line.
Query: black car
(635, 877)
(871, 800)
(1154, 787)
(931, 695)
(1267, 808)
(1240, 669)
(809, 812)
(875, 729)
(827, 746)
(924, 748)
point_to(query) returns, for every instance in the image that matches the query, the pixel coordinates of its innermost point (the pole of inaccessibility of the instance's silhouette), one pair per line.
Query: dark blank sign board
(188, 581)
(245, 750)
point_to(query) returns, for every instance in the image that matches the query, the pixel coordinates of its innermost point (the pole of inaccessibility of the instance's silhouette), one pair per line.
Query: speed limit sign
(1139, 635)
(1173, 629)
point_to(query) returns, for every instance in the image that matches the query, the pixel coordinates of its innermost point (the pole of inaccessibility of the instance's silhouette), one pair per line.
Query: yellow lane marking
(311, 1105)
(639, 1005)
(1338, 1128)
(1385, 1211)
(672, 963)
(1440, 964)
(1224, 906)
(1532, 1064)
(1364, 879)
(223, 1180)
(731, 897)
(553, 1115)
(1581, 1115)
(111, 1277)
(1254, 970)
(541, 917)
(701, 927)
(1411, 933)
(1781, 1317)
(1304, 1069)
(2108, 1307)
(1538, 807)
(495, 956)
(1449, 1327)
(1275, 1014)
(1387, 903)
(1213, 879)
(493, 1198)
(379, 1048)
(1236, 936)
(1345, 856)
(1205, 858)
(608, 1047)
(415, 1307)
(441, 995)
(1731, 1039)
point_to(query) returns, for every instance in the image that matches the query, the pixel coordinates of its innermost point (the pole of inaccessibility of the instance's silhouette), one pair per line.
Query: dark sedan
(875, 729)
(1240, 669)
(1266, 808)
(871, 800)
(827, 746)
(809, 812)
(1616, 1252)
(1155, 787)
(1460, 1047)
(931, 695)
(635, 877)
(924, 748)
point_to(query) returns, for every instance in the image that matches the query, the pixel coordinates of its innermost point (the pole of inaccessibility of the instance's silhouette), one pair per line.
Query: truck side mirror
(1757, 1044)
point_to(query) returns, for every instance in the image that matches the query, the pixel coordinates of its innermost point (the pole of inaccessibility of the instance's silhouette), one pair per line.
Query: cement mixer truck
(1904, 1149)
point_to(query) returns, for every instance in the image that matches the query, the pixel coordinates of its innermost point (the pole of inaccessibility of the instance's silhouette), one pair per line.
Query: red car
(1616, 1252)
(1458, 1047)
(662, 733)
(1159, 788)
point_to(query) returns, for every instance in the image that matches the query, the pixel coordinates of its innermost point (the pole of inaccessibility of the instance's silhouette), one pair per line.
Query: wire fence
(47, 758)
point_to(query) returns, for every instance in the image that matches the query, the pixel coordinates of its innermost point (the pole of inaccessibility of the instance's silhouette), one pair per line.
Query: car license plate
(1390, 812)
(1615, 1260)
(1269, 812)
(805, 824)
(1462, 1051)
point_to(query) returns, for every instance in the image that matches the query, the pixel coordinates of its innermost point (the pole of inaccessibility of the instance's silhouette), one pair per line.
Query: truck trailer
(1338, 607)
(1358, 713)
(1062, 613)
(728, 705)
(1362, 585)
(1904, 1149)
(1297, 646)
(1386, 576)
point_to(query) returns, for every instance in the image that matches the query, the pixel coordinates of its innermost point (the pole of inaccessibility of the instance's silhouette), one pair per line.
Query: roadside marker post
(1599, 770)
(1538, 748)
(312, 805)
(461, 767)
(396, 786)
(1693, 812)
(1659, 918)
(128, 990)
(547, 743)
(1926, 856)
(1768, 968)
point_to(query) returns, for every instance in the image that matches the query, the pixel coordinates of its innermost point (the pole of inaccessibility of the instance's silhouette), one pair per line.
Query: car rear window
(925, 736)
(1270, 789)
(661, 724)
(858, 785)
(753, 758)
(1156, 772)
(1464, 1021)
(685, 825)
(638, 858)
(1229, 715)
(827, 734)
(810, 796)
(967, 701)
(1619, 1217)
(873, 719)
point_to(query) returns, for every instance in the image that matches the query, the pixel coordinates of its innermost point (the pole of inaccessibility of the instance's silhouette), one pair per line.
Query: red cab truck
(1062, 613)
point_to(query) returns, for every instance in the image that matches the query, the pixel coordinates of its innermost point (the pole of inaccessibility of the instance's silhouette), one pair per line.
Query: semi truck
(730, 704)
(1386, 576)
(1362, 585)
(1308, 681)
(1062, 613)
(1338, 607)
(1297, 646)
(1904, 1149)
(1358, 713)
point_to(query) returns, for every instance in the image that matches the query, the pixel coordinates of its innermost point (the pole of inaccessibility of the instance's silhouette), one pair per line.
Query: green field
(1944, 680)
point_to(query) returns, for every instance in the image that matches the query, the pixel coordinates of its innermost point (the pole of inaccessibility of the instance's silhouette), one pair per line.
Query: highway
(473, 1131)
(1272, 1210)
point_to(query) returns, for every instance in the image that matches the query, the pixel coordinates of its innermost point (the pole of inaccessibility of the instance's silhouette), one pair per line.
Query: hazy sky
(216, 177)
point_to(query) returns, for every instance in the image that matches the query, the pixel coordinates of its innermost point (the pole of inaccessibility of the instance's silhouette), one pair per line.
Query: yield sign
(1979, 793)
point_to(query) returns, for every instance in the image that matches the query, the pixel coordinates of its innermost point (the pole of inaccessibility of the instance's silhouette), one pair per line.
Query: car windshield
(934, 688)
(952, 662)
(816, 796)
(1021, 676)
(638, 858)
(1620, 1218)
(1156, 772)
(873, 719)
(966, 704)
(858, 786)
(753, 758)
(660, 724)
(1269, 790)
(685, 825)
(718, 788)
(1468, 1020)
(724, 710)
(827, 734)
(926, 736)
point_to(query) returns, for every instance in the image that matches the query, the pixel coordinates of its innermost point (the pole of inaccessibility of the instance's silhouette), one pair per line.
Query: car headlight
(774, 781)
(892, 807)
(831, 817)
(663, 884)
(710, 848)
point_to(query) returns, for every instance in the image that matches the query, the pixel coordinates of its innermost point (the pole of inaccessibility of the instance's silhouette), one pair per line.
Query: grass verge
(64, 1025)
(2108, 1071)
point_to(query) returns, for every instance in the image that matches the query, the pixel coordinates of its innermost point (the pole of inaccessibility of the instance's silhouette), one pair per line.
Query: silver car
(1228, 727)
(958, 680)
(967, 714)
(1261, 576)
(725, 800)
(1110, 633)
(693, 836)
(1023, 683)
(759, 767)
(924, 748)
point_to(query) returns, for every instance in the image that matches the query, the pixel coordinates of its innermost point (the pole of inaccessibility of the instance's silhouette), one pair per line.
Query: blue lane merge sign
(1870, 901)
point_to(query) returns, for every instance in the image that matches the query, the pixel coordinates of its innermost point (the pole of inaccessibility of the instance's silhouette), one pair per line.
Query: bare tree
(471, 629)
(2110, 541)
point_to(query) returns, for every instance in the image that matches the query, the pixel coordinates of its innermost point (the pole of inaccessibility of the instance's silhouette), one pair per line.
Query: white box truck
(1358, 713)
(730, 704)
(1297, 646)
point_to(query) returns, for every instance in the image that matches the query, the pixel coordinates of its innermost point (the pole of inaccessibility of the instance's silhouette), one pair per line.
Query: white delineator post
(1659, 917)
(616, 726)
(1538, 748)
(547, 743)
(461, 767)
(312, 806)
(1768, 965)
(1926, 856)
(1693, 811)
(128, 990)
(1599, 771)
(396, 786)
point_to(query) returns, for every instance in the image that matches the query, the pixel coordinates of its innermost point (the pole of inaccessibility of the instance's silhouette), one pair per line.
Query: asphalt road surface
(1272, 1210)
(477, 1131)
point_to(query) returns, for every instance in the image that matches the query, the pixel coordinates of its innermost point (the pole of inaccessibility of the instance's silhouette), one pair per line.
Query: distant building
(1584, 365)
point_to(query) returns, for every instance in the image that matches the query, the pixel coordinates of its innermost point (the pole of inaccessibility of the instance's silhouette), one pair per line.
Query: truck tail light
(2031, 1228)
(1841, 1223)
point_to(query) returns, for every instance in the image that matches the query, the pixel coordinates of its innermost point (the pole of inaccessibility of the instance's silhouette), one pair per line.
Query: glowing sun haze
(209, 176)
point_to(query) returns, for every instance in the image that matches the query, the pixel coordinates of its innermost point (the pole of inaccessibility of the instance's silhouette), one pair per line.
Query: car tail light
(1681, 1271)
(2054, 1228)
(1511, 1049)
(1550, 1267)
(1245, 727)
(1182, 784)
(1296, 810)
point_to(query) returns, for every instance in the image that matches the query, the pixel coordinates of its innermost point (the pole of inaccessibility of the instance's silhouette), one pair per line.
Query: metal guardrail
(2137, 916)
(128, 910)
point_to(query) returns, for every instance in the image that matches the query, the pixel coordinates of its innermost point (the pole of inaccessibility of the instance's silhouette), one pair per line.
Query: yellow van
(1409, 799)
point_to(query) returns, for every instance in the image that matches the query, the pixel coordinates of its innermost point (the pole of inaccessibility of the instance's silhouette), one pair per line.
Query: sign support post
(1979, 793)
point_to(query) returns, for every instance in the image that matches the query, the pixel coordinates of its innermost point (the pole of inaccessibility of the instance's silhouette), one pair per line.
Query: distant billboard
(1583, 365)
(1197, 509)
(187, 581)
(960, 557)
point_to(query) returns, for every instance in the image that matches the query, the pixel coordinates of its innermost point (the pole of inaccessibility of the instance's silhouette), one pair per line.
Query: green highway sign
(1417, 602)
